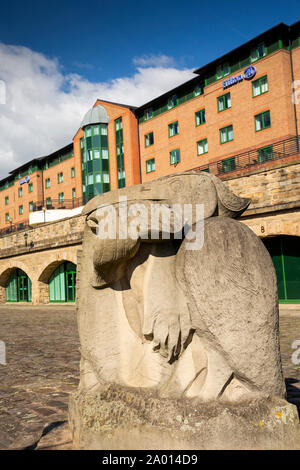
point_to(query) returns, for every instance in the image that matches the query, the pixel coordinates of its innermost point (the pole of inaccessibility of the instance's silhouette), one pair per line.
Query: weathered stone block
(120, 418)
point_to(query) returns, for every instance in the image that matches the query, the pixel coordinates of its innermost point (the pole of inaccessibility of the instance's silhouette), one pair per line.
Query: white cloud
(152, 60)
(44, 107)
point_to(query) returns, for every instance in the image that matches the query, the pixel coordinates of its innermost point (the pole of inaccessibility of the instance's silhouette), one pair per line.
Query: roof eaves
(166, 94)
(247, 44)
(39, 159)
(117, 104)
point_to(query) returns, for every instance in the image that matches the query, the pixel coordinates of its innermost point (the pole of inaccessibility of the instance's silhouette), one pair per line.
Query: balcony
(58, 204)
(253, 158)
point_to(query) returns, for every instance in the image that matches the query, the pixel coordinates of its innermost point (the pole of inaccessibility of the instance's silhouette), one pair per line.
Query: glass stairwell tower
(95, 153)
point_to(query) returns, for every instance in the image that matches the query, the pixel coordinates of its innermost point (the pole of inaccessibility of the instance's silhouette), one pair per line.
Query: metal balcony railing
(39, 206)
(252, 158)
(12, 228)
(58, 204)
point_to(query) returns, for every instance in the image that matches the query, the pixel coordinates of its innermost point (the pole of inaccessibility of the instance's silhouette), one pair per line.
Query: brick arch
(279, 228)
(9, 269)
(49, 270)
(275, 226)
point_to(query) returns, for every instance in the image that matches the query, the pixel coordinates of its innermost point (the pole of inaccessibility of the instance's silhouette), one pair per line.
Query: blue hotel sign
(25, 180)
(248, 74)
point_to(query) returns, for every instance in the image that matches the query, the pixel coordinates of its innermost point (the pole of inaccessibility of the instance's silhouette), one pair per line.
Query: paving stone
(40, 344)
(43, 368)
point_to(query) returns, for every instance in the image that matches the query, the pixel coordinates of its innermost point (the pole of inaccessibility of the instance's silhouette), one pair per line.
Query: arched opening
(62, 283)
(285, 253)
(18, 287)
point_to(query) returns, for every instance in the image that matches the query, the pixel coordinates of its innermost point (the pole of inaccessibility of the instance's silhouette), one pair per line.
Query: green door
(57, 286)
(12, 288)
(285, 253)
(70, 286)
(22, 288)
(18, 288)
(62, 284)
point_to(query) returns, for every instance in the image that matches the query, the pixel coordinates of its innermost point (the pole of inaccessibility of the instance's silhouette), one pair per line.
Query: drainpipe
(294, 100)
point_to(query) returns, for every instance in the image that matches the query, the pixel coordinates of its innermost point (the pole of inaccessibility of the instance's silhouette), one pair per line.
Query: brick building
(237, 118)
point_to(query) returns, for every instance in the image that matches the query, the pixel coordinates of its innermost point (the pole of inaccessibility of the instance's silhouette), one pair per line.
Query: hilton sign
(248, 74)
(25, 180)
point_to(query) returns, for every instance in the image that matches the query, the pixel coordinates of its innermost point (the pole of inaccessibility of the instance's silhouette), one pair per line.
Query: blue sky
(58, 57)
(99, 39)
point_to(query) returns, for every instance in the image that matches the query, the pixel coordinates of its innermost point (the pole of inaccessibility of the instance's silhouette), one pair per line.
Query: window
(119, 124)
(148, 114)
(106, 177)
(94, 159)
(224, 102)
(48, 202)
(30, 187)
(47, 182)
(60, 177)
(172, 102)
(260, 86)
(103, 129)
(20, 210)
(174, 157)
(258, 52)
(262, 121)
(121, 174)
(173, 129)
(197, 90)
(20, 191)
(120, 156)
(72, 172)
(228, 164)
(226, 134)
(222, 71)
(7, 217)
(73, 193)
(31, 206)
(202, 147)
(150, 165)
(88, 132)
(264, 154)
(200, 117)
(61, 197)
(149, 139)
(6, 200)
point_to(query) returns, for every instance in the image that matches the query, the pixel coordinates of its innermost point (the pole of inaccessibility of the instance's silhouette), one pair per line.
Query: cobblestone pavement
(42, 351)
(42, 355)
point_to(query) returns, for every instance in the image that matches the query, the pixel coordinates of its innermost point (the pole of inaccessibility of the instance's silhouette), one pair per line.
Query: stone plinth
(119, 418)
